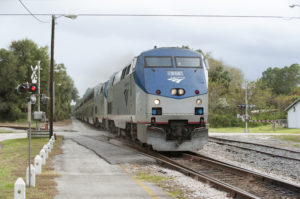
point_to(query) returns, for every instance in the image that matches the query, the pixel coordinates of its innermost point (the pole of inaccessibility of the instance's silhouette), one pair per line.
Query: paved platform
(85, 175)
(111, 153)
(92, 168)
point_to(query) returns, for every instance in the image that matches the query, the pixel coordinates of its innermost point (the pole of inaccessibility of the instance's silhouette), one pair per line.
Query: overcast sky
(92, 48)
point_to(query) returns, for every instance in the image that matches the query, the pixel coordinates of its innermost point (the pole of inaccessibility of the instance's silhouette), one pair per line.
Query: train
(159, 99)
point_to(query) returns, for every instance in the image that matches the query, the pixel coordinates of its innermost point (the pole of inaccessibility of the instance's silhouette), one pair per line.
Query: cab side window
(123, 73)
(128, 69)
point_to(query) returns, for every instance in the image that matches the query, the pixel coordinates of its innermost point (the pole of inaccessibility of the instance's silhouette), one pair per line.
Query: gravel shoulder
(287, 170)
(177, 183)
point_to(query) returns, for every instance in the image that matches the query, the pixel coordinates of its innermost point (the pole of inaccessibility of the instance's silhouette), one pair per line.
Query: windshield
(188, 62)
(158, 62)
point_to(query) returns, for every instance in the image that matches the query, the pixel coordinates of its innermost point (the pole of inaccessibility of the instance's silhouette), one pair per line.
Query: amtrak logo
(176, 76)
(176, 79)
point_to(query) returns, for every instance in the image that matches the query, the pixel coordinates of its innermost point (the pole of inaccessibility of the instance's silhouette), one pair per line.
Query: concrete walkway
(95, 169)
(16, 133)
(85, 175)
(9, 136)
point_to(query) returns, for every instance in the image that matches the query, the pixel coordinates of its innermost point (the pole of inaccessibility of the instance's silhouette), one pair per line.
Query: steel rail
(263, 145)
(258, 151)
(259, 176)
(234, 192)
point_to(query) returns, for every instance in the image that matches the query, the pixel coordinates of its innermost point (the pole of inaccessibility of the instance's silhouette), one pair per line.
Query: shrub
(225, 120)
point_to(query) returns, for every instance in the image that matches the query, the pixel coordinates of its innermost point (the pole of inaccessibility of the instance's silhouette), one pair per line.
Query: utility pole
(39, 92)
(51, 76)
(52, 70)
(29, 143)
(246, 108)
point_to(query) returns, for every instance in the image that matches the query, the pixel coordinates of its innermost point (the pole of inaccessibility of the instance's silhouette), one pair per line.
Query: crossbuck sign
(34, 76)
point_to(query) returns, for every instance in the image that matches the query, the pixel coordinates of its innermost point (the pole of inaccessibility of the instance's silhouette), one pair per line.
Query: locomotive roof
(165, 78)
(167, 51)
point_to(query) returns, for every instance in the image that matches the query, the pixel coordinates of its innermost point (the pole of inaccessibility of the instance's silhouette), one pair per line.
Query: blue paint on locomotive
(152, 79)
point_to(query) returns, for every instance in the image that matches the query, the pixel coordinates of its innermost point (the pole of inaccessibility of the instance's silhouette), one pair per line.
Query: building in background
(293, 111)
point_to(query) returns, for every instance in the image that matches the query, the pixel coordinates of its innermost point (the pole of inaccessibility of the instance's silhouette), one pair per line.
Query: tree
(260, 97)
(225, 86)
(15, 68)
(65, 92)
(282, 80)
(9, 100)
(220, 75)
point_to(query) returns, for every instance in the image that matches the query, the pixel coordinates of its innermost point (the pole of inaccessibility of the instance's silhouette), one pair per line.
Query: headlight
(174, 91)
(156, 102)
(181, 91)
(198, 101)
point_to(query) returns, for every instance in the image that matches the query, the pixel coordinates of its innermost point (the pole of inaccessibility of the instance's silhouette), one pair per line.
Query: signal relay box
(38, 115)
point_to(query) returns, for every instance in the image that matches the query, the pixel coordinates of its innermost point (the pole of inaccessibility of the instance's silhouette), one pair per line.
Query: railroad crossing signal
(33, 88)
(244, 117)
(27, 87)
(32, 99)
(22, 88)
(45, 99)
(243, 106)
(34, 76)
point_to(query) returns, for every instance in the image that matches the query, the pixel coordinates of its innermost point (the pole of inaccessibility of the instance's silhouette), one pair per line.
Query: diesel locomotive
(159, 99)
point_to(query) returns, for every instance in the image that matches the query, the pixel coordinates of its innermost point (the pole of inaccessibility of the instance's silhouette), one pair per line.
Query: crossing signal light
(22, 88)
(26, 87)
(242, 106)
(33, 88)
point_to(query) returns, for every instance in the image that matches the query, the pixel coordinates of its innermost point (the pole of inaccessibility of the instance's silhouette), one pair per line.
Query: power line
(159, 15)
(31, 13)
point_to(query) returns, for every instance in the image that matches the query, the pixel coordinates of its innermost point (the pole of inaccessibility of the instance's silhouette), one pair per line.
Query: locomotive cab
(174, 83)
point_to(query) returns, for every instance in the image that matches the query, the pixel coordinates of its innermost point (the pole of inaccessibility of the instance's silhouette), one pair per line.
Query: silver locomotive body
(159, 99)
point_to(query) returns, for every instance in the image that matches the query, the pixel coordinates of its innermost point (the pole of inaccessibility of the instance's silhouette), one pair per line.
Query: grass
(13, 164)
(293, 138)
(151, 178)
(176, 194)
(18, 124)
(260, 129)
(159, 180)
(5, 131)
(24, 123)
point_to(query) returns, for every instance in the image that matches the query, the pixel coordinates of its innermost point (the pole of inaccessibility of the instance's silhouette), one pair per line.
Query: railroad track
(259, 148)
(172, 164)
(255, 184)
(236, 181)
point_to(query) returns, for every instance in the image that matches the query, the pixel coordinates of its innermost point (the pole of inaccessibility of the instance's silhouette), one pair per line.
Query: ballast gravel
(273, 141)
(279, 152)
(288, 170)
(190, 188)
(283, 169)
